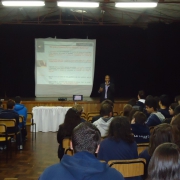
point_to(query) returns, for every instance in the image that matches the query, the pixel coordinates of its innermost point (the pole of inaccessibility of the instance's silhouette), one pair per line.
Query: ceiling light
(23, 3)
(136, 4)
(77, 4)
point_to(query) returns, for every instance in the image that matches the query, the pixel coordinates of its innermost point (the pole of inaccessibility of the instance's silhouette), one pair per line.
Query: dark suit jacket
(110, 92)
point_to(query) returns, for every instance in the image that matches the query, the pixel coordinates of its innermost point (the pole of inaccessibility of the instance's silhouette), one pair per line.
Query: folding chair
(129, 168)
(66, 146)
(30, 122)
(142, 146)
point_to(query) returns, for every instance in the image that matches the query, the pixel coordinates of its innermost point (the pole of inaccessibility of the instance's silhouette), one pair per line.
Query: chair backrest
(115, 113)
(10, 178)
(2, 128)
(141, 147)
(21, 118)
(8, 122)
(66, 146)
(121, 113)
(129, 168)
(95, 113)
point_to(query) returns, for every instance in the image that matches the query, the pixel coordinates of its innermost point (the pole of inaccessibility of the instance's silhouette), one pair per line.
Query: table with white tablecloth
(48, 118)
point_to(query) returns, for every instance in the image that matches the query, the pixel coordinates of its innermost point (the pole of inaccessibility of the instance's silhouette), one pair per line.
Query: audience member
(165, 163)
(1, 106)
(72, 119)
(126, 110)
(79, 110)
(132, 102)
(107, 101)
(162, 133)
(171, 112)
(83, 165)
(104, 121)
(177, 99)
(141, 100)
(139, 128)
(120, 142)
(155, 117)
(21, 110)
(164, 106)
(11, 114)
(131, 114)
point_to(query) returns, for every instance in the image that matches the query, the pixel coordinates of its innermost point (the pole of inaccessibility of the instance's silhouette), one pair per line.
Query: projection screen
(64, 67)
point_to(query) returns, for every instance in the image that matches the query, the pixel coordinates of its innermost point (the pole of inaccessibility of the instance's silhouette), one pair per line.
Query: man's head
(139, 117)
(107, 78)
(164, 101)
(17, 99)
(78, 108)
(151, 105)
(141, 95)
(86, 137)
(10, 104)
(126, 110)
(106, 110)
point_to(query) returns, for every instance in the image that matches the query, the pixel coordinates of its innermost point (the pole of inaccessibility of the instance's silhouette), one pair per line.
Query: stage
(89, 104)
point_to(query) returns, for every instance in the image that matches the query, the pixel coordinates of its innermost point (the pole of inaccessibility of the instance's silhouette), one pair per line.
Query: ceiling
(167, 12)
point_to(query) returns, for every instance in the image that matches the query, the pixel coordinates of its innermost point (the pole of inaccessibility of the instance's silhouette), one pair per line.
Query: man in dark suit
(107, 90)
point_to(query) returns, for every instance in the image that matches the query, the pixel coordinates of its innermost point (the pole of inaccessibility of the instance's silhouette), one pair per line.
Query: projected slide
(64, 67)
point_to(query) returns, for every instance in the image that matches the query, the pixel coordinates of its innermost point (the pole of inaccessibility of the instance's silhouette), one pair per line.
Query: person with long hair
(120, 143)
(161, 134)
(72, 119)
(165, 163)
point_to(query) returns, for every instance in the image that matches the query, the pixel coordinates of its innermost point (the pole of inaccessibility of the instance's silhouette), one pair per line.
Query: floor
(29, 163)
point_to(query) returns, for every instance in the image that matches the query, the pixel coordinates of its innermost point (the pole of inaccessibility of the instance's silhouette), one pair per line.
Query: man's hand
(100, 89)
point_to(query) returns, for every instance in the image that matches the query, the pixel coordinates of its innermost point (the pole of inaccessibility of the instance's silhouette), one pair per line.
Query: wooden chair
(66, 146)
(129, 168)
(142, 146)
(90, 115)
(83, 115)
(30, 122)
(10, 178)
(5, 138)
(115, 114)
(121, 113)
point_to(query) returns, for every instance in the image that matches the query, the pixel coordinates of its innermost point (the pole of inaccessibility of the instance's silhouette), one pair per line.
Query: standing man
(107, 90)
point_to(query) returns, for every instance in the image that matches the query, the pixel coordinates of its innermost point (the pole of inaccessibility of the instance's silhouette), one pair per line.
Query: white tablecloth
(48, 118)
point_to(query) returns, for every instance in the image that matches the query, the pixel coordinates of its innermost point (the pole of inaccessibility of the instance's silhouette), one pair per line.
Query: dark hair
(132, 102)
(0, 103)
(173, 106)
(17, 99)
(149, 97)
(164, 99)
(131, 114)
(106, 109)
(107, 75)
(85, 137)
(157, 101)
(126, 110)
(176, 129)
(162, 133)
(177, 98)
(120, 129)
(141, 94)
(151, 102)
(177, 110)
(107, 101)
(140, 117)
(10, 104)
(165, 163)
(72, 119)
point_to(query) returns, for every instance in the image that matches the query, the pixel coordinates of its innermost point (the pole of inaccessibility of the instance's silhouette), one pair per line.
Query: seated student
(107, 101)
(161, 134)
(177, 99)
(106, 117)
(141, 100)
(79, 110)
(21, 110)
(71, 120)
(139, 129)
(120, 144)
(11, 114)
(171, 112)
(126, 110)
(1, 106)
(165, 163)
(83, 165)
(164, 106)
(155, 117)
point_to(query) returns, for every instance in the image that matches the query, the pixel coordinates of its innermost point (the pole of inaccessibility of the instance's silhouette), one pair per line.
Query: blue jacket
(121, 150)
(155, 119)
(165, 112)
(81, 166)
(21, 110)
(141, 133)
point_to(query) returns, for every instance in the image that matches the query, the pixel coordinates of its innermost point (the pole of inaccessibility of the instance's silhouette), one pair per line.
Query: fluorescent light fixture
(78, 4)
(23, 3)
(136, 4)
